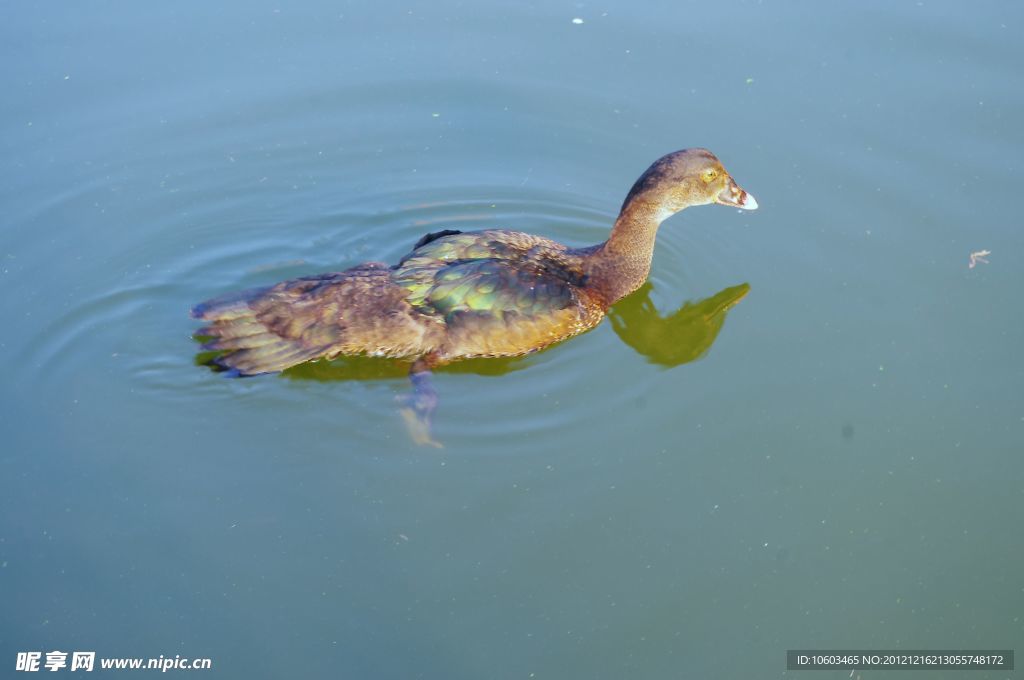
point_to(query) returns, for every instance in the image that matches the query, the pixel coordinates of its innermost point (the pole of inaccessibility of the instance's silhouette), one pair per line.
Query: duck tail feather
(250, 343)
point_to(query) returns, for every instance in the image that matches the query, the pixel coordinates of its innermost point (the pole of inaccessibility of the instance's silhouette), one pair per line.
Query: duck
(461, 294)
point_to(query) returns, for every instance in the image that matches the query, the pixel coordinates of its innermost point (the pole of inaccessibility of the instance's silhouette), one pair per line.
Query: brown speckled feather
(481, 294)
(357, 311)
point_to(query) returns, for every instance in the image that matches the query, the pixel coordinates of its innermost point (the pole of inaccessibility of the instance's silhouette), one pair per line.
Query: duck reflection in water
(683, 336)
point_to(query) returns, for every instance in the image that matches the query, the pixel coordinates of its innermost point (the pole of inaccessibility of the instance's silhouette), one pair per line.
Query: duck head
(685, 178)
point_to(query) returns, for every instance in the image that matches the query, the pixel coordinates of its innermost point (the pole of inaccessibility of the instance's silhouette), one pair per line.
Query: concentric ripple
(232, 201)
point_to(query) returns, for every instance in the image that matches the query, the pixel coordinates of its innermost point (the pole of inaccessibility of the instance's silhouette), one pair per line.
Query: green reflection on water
(683, 336)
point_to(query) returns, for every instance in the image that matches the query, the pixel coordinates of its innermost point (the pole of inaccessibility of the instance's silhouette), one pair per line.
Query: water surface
(806, 433)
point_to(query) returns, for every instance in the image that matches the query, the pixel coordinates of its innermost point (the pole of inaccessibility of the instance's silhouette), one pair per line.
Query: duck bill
(733, 196)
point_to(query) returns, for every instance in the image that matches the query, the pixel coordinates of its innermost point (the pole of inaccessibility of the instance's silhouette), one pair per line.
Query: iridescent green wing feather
(492, 272)
(497, 293)
(498, 286)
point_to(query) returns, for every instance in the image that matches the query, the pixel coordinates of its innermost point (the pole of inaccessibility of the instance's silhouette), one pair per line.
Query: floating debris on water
(979, 257)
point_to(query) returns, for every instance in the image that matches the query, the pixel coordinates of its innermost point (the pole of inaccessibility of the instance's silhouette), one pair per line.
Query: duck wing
(456, 295)
(499, 293)
(355, 311)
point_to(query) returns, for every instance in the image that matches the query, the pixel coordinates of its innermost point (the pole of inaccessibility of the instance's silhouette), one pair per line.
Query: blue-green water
(841, 468)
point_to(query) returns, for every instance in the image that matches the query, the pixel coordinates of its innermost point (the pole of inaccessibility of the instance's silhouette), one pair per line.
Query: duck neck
(621, 264)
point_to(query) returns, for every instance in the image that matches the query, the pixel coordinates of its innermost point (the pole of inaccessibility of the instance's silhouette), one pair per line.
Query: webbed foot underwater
(459, 295)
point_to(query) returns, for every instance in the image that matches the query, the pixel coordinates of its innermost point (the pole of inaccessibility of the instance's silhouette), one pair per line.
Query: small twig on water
(978, 257)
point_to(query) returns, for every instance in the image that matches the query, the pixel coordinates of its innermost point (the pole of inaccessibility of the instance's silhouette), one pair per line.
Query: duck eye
(709, 175)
